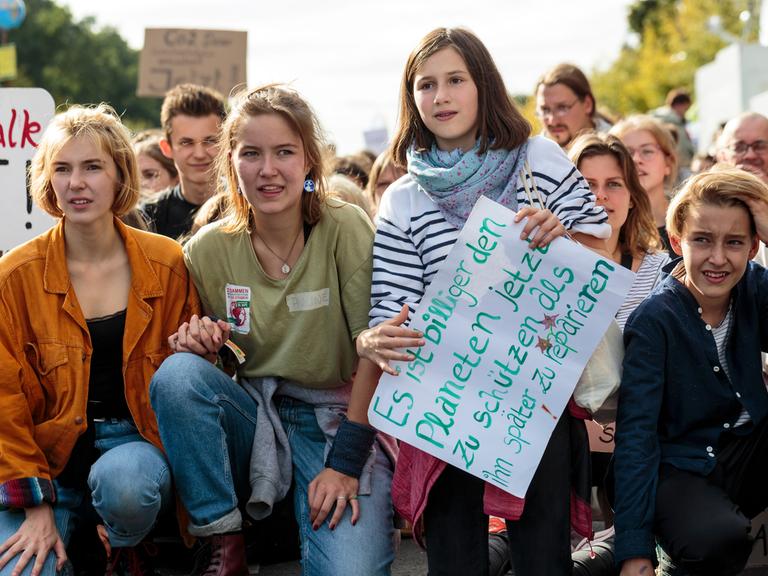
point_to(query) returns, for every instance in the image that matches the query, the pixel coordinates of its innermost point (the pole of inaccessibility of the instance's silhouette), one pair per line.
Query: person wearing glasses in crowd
(566, 106)
(156, 171)
(191, 116)
(655, 154)
(744, 144)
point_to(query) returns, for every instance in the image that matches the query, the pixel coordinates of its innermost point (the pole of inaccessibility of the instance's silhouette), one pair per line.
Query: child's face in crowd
(606, 180)
(716, 244)
(446, 98)
(84, 181)
(193, 146)
(270, 164)
(651, 164)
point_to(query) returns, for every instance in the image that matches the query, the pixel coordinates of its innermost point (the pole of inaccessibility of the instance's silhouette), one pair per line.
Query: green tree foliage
(672, 41)
(80, 64)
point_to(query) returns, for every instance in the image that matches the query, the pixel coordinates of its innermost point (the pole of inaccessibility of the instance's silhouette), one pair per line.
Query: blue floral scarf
(455, 180)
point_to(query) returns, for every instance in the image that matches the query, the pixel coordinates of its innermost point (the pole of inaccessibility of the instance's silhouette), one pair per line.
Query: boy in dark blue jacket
(692, 433)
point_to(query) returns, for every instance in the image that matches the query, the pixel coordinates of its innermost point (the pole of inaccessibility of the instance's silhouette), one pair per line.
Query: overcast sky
(346, 56)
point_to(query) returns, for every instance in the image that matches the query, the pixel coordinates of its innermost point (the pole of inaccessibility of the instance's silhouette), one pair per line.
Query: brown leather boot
(222, 555)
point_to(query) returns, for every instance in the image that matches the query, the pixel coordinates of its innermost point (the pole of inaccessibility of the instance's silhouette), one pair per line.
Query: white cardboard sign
(508, 332)
(24, 114)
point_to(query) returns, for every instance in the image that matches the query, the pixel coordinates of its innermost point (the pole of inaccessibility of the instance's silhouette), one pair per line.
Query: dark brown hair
(572, 77)
(190, 100)
(499, 124)
(638, 234)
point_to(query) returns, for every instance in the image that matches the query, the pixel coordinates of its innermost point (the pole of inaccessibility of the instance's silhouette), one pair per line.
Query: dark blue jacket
(676, 400)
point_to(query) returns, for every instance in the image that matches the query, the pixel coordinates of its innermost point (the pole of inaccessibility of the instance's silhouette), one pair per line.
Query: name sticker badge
(305, 301)
(239, 308)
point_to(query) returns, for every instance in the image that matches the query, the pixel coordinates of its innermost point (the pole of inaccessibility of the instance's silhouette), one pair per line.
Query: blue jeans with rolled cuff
(207, 423)
(129, 484)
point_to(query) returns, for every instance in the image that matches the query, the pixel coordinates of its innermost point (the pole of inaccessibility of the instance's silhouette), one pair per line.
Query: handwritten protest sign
(508, 331)
(24, 114)
(173, 56)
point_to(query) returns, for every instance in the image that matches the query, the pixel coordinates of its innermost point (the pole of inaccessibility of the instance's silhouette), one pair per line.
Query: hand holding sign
(508, 331)
(381, 343)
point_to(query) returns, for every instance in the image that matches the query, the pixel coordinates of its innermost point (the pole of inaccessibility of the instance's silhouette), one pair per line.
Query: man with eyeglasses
(191, 116)
(566, 106)
(744, 143)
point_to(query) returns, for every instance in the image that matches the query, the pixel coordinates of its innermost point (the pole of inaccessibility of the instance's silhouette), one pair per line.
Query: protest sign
(24, 114)
(508, 332)
(173, 56)
(601, 438)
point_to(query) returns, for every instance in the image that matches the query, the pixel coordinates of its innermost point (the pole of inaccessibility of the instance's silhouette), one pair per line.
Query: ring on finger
(341, 498)
(353, 497)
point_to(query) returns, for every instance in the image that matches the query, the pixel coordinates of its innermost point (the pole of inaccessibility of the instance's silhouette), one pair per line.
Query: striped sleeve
(648, 275)
(564, 190)
(398, 272)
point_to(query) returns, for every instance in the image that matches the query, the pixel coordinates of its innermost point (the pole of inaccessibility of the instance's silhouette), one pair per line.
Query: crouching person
(291, 271)
(85, 312)
(691, 442)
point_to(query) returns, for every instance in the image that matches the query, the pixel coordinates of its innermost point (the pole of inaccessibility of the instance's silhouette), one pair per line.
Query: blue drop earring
(309, 185)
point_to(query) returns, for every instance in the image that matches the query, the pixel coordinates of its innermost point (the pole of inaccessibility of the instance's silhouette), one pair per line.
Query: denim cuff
(351, 448)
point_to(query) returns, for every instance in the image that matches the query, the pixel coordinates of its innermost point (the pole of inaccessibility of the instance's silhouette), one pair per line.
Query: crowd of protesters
(201, 332)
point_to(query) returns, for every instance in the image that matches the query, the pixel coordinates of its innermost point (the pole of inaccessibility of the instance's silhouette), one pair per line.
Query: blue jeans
(207, 423)
(130, 484)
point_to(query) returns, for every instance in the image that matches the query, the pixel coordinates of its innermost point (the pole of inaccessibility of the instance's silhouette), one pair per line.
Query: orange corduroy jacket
(45, 352)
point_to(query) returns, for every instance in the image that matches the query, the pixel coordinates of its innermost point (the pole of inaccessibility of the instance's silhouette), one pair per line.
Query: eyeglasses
(150, 174)
(556, 112)
(741, 148)
(646, 151)
(189, 143)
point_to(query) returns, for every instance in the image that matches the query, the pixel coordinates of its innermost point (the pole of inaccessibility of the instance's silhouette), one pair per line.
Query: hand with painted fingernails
(547, 226)
(332, 491)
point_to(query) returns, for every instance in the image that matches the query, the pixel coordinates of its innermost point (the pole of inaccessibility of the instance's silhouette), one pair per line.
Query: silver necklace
(285, 269)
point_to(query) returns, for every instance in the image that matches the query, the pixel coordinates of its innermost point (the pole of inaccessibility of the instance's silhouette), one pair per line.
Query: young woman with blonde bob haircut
(290, 270)
(85, 312)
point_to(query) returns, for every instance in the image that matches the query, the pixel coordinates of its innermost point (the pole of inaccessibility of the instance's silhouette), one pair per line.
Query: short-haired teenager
(191, 116)
(85, 312)
(691, 442)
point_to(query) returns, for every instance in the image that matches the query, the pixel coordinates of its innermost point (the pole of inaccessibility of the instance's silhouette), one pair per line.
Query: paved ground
(411, 561)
